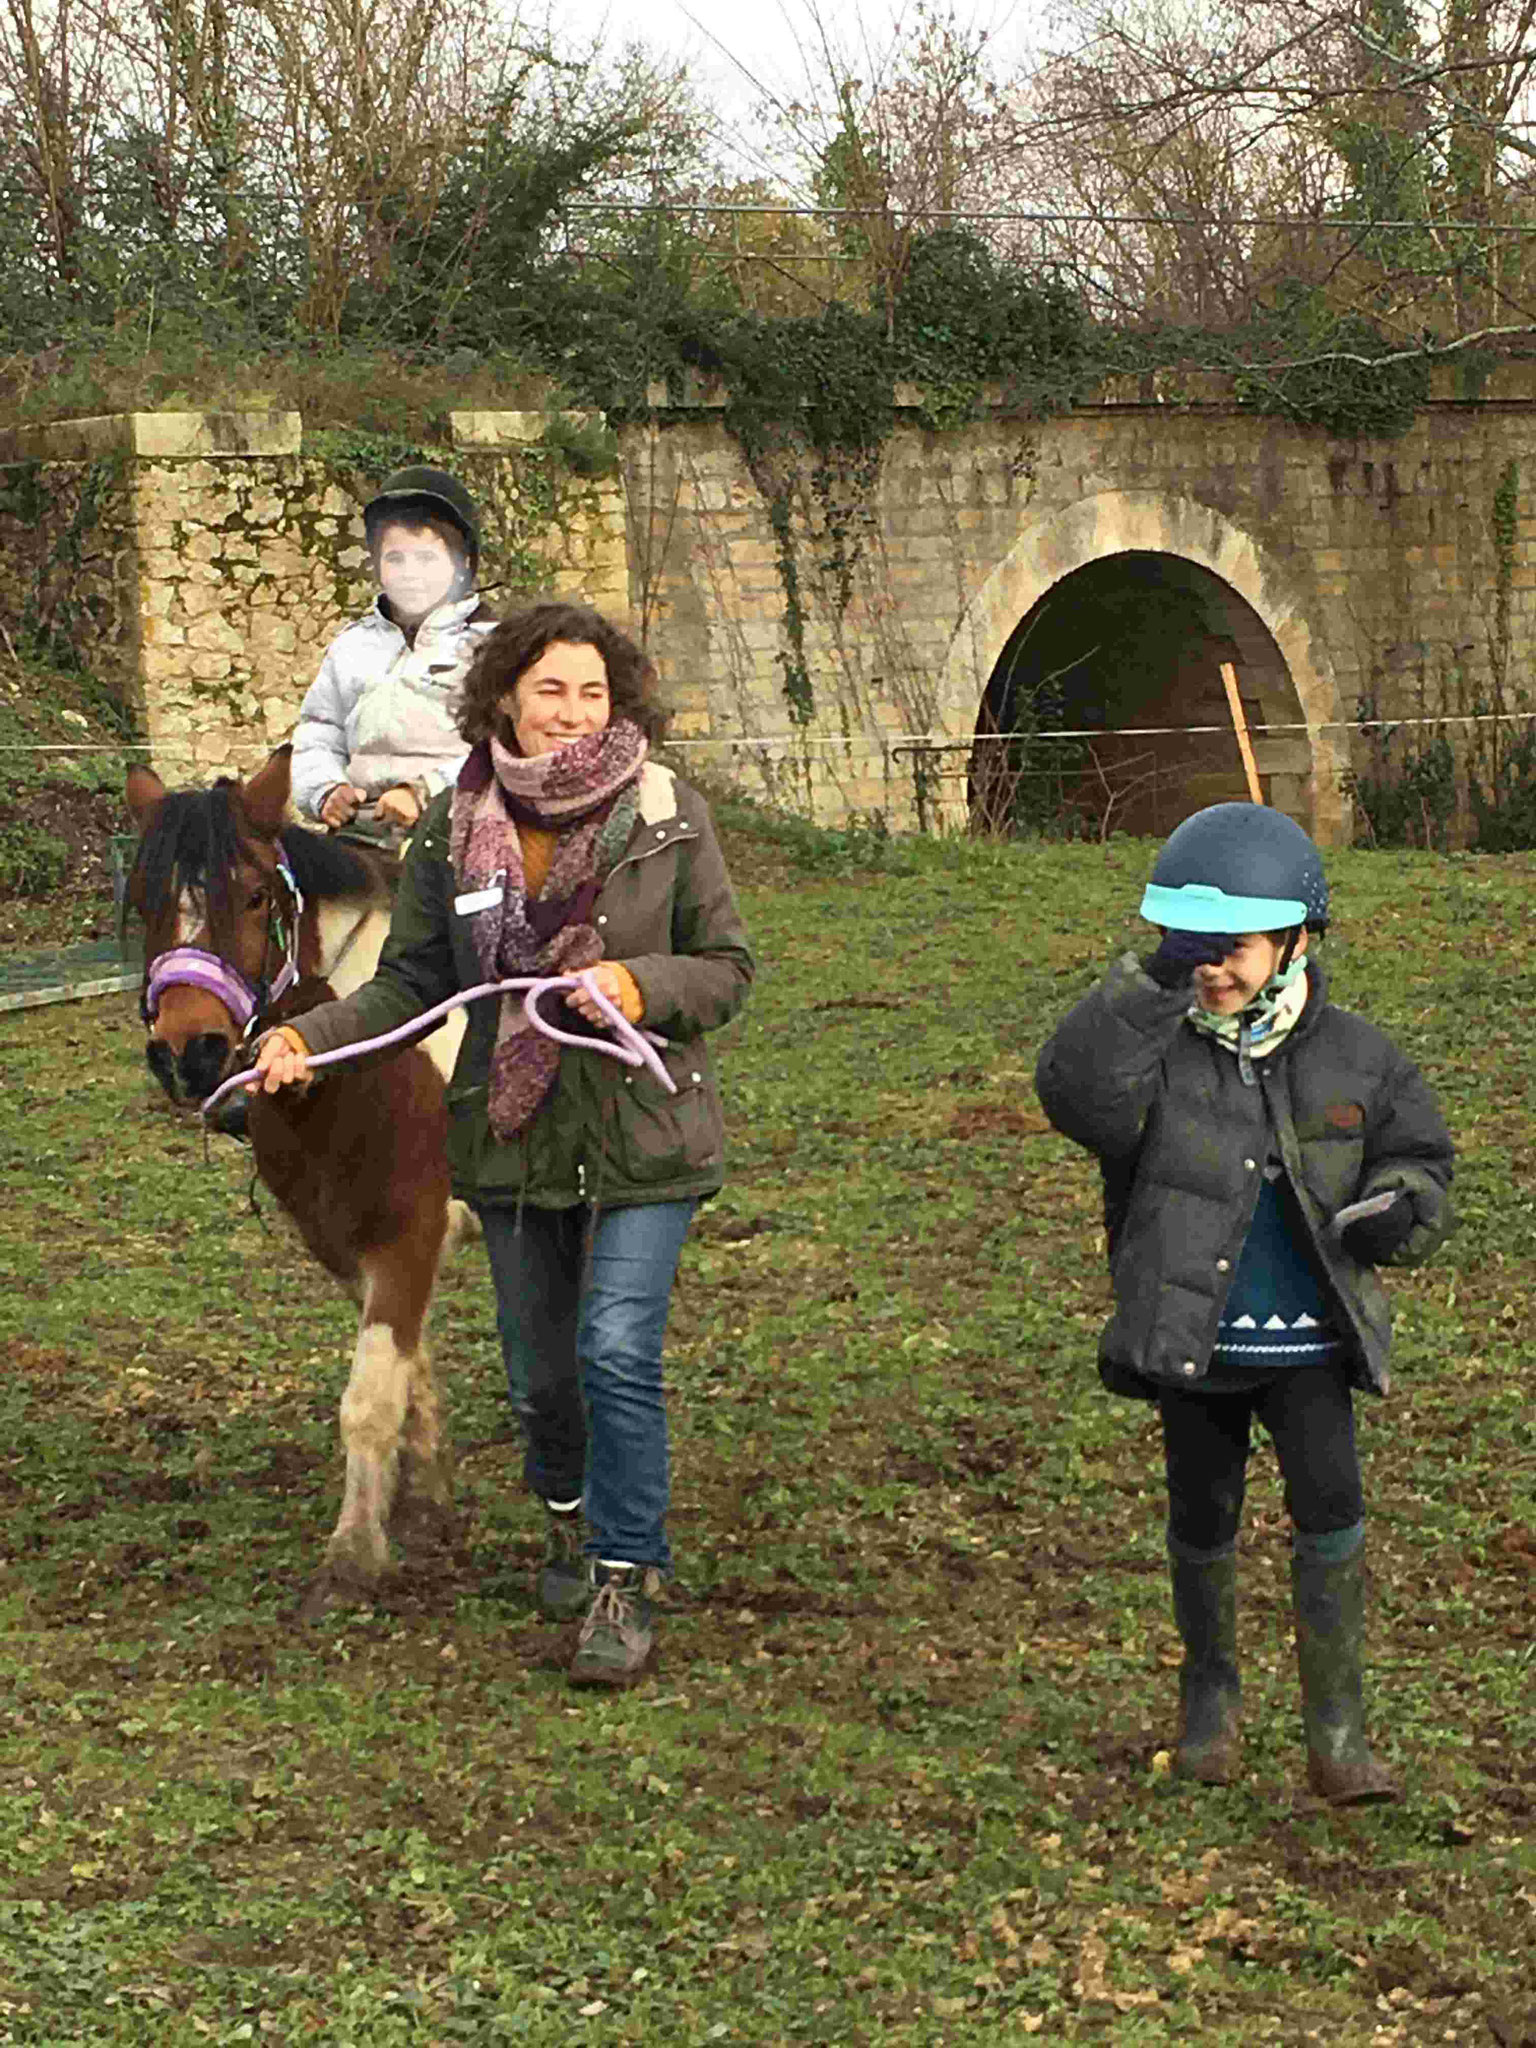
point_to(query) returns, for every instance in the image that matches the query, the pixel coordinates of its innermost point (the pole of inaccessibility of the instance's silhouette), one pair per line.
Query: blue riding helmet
(1237, 868)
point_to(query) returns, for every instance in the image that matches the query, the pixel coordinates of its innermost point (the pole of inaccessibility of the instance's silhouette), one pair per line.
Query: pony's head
(220, 915)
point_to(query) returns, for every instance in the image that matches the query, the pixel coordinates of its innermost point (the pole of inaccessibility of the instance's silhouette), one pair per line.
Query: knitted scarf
(1266, 1022)
(587, 794)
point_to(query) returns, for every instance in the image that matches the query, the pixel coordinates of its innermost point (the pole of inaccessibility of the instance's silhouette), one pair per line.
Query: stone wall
(233, 556)
(1362, 567)
(211, 557)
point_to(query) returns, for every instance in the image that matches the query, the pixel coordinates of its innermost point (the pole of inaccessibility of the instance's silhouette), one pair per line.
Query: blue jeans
(581, 1325)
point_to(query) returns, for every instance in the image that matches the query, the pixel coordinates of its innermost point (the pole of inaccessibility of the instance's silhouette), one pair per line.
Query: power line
(1342, 223)
(895, 209)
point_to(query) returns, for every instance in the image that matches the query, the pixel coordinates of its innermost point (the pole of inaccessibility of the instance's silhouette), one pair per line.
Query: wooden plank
(1240, 727)
(68, 992)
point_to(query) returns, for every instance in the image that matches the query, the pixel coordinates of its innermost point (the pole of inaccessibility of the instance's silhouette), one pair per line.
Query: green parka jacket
(1182, 1143)
(606, 1133)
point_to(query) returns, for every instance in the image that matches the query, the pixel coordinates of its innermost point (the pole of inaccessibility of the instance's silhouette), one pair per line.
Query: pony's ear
(264, 798)
(145, 793)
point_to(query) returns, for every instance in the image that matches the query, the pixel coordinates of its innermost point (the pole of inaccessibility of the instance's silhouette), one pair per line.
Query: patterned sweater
(1278, 1312)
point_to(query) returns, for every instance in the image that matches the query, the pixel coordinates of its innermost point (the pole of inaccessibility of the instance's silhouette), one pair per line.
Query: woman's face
(417, 570)
(561, 697)
(1223, 991)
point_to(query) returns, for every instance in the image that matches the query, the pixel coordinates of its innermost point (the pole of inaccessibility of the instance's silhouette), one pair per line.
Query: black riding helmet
(420, 489)
(1238, 868)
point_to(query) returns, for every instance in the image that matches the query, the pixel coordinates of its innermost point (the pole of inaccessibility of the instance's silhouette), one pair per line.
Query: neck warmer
(1253, 1033)
(586, 793)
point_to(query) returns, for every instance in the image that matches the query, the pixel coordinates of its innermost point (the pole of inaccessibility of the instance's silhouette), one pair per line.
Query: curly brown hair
(512, 648)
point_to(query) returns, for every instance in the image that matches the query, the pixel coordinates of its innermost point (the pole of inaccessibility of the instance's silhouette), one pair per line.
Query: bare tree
(900, 134)
(1187, 138)
(55, 64)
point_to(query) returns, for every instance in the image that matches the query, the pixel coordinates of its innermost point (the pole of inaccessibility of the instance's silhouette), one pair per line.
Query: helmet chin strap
(1291, 938)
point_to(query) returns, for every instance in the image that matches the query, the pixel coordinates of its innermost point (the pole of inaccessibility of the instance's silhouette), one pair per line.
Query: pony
(249, 922)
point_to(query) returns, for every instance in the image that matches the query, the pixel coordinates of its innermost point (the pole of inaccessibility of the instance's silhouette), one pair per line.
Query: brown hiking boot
(619, 1633)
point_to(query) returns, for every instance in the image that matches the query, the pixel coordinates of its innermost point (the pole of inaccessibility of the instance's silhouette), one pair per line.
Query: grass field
(897, 1778)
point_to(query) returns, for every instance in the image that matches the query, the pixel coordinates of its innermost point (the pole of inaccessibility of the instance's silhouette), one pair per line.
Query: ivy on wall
(57, 511)
(810, 400)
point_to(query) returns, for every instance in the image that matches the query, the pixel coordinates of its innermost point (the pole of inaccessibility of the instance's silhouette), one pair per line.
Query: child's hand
(398, 806)
(1174, 963)
(1371, 1240)
(340, 806)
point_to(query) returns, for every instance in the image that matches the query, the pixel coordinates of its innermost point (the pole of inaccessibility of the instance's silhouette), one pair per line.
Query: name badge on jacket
(481, 899)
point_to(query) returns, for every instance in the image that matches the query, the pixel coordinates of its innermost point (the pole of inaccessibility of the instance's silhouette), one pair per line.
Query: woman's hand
(341, 803)
(282, 1061)
(398, 806)
(618, 985)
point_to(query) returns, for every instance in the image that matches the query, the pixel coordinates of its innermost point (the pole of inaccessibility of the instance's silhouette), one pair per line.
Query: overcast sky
(763, 36)
(729, 47)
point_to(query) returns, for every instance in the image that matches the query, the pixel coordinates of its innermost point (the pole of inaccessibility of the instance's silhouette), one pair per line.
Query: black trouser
(1308, 1413)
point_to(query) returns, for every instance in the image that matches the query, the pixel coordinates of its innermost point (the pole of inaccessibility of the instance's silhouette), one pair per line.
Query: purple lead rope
(636, 1048)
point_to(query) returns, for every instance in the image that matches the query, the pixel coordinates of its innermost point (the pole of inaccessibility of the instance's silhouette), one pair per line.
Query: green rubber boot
(1209, 1746)
(1329, 1591)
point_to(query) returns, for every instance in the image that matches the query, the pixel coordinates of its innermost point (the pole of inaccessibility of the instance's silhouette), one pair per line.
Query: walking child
(1239, 1118)
(378, 723)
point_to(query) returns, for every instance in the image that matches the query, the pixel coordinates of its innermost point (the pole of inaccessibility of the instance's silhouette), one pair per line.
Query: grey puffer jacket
(1182, 1143)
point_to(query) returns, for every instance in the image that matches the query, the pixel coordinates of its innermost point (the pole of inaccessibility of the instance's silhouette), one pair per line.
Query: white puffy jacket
(381, 710)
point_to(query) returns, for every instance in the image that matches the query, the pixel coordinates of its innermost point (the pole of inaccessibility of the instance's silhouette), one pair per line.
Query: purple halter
(196, 967)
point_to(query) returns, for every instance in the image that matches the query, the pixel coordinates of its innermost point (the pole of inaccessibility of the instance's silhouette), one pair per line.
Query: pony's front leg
(372, 1410)
(389, 1366)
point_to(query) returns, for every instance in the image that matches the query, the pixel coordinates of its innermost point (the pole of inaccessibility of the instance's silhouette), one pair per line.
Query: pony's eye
(256, 899)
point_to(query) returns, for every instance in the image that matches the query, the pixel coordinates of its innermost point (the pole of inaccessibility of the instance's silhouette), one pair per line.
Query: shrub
(32, 862)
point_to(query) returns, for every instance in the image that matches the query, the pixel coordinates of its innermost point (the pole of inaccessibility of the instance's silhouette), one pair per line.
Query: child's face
(417, 569)
(1224, 990)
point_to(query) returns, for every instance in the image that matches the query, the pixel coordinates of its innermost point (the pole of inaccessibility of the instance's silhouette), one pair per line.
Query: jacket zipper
(1297, 1180)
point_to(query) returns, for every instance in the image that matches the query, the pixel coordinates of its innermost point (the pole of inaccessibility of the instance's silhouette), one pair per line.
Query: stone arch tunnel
(1135, 639)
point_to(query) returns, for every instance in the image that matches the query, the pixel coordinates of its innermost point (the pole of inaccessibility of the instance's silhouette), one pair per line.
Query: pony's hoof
(334, 1587)
(421, 1523)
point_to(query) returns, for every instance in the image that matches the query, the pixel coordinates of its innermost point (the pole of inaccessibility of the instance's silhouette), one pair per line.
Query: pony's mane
(326, 867)
(193, 842)
(196, 840)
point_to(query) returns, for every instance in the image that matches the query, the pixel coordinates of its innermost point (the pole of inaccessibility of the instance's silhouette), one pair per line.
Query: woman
(564, 847)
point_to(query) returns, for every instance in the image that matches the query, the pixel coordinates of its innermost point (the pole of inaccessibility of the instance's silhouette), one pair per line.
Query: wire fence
(1405, 779)
(797, 739)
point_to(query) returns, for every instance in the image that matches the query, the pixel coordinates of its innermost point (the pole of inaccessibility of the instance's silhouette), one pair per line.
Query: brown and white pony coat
(358, 1158)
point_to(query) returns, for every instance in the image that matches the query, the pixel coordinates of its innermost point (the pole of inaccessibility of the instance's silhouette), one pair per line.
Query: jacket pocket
(1333, 1162)
(665, 1137)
